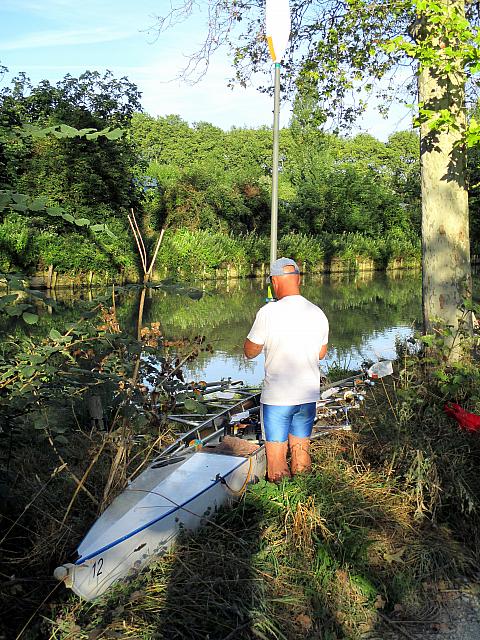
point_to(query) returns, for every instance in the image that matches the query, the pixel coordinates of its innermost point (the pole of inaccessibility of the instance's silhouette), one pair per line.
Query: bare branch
(159, 242)
(220, 19)
(132, 221)
(334, 47)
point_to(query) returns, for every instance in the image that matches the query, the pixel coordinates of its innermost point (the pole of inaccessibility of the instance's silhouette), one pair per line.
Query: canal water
(368, 313)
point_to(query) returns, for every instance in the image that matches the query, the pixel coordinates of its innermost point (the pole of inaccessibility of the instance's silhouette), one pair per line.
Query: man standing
(293, 333)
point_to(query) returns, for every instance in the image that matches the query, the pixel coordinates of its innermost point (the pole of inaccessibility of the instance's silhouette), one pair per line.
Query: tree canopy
(55, 170)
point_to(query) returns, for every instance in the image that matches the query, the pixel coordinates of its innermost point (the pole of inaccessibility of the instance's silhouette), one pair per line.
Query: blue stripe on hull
(149, 524)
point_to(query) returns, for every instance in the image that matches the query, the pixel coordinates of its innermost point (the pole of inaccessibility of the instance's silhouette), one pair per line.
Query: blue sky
(49, 38)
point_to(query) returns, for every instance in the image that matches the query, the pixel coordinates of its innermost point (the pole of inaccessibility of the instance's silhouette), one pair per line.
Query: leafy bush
(119, 250)
(68, 253)
(257, 248)
(197, 252)
(306, 249)
(14, 241)
(74, 253)
(402, 244)
(193, 251)
(29, 243)
(395, 244)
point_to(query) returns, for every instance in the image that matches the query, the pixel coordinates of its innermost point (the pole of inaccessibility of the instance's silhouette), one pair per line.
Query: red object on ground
(466, 420)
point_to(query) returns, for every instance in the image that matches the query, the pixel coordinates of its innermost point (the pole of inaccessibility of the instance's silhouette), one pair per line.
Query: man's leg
(299, 438)
(276, 423)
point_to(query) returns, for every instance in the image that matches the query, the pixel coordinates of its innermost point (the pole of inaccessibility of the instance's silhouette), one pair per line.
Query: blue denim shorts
(280, 422)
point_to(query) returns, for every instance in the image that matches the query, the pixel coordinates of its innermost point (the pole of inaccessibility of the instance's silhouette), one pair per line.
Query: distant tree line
(188, 177)
(208, 178)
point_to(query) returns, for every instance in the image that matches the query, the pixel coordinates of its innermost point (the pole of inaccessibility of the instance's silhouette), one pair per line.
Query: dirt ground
(453, 614)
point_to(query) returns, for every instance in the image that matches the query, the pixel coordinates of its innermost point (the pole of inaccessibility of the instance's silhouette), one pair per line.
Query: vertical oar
(277, 27)
(276, 136)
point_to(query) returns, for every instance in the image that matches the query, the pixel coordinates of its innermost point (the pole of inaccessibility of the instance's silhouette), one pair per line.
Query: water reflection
(366, 313)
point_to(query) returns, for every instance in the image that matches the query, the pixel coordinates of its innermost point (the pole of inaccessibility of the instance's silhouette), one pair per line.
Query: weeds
(199, 252)
(321, 554)
(390, 509)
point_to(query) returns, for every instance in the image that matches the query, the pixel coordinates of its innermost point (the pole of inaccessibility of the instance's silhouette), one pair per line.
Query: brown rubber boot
(277, 467)
(300, 461)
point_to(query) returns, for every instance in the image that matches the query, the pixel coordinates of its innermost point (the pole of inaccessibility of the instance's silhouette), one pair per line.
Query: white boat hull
(143, 522)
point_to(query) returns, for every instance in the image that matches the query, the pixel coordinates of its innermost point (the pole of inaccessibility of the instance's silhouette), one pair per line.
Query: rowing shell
(180, 490)
(177, 492)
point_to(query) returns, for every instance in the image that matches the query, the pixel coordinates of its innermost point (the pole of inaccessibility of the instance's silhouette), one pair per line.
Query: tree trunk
(446, 269)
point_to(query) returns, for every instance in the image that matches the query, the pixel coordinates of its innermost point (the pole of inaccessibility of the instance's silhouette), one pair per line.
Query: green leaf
(36, 294)
(82, 222)
(19, 198)
(28, 371)
(17, 310)
(55, 335)
(4, 300)
(68, 132)
(19, 207)
(68, 217)
(83, 132)
(38, 204)
(16, 282)
(30, 318)
(95, 134)
(58, 428)
(196, 407)
(54, 211)
(114, 135)
(49, 350)
(5, 199)
(97, 227)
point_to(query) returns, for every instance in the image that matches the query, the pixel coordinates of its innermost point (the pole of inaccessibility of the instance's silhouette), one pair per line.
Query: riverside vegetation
(347, 198)
(358, 545)
(390, 508)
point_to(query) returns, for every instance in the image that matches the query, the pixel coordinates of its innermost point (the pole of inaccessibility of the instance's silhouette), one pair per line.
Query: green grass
(316, 555)
(390, 509)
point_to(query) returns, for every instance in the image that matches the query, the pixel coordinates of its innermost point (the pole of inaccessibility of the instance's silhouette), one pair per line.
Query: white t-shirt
(292, 332)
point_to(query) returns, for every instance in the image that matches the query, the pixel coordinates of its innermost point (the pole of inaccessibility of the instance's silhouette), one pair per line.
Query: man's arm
(251, 349)
(323, 352)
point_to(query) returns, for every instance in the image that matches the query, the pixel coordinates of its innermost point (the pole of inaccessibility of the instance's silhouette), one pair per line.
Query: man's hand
(323, 352)
(251, 349)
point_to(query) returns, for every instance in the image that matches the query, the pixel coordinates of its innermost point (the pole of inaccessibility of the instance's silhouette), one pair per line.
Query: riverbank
(386, 524)
(51, 279)
(204, 255)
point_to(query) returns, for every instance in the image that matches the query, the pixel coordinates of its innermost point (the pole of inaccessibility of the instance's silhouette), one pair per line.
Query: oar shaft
(276, 136)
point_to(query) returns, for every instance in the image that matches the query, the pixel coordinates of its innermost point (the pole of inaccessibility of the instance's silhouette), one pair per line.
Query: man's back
(293, 331)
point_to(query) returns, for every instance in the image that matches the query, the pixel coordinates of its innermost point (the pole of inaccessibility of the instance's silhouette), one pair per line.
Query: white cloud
(62, 38)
